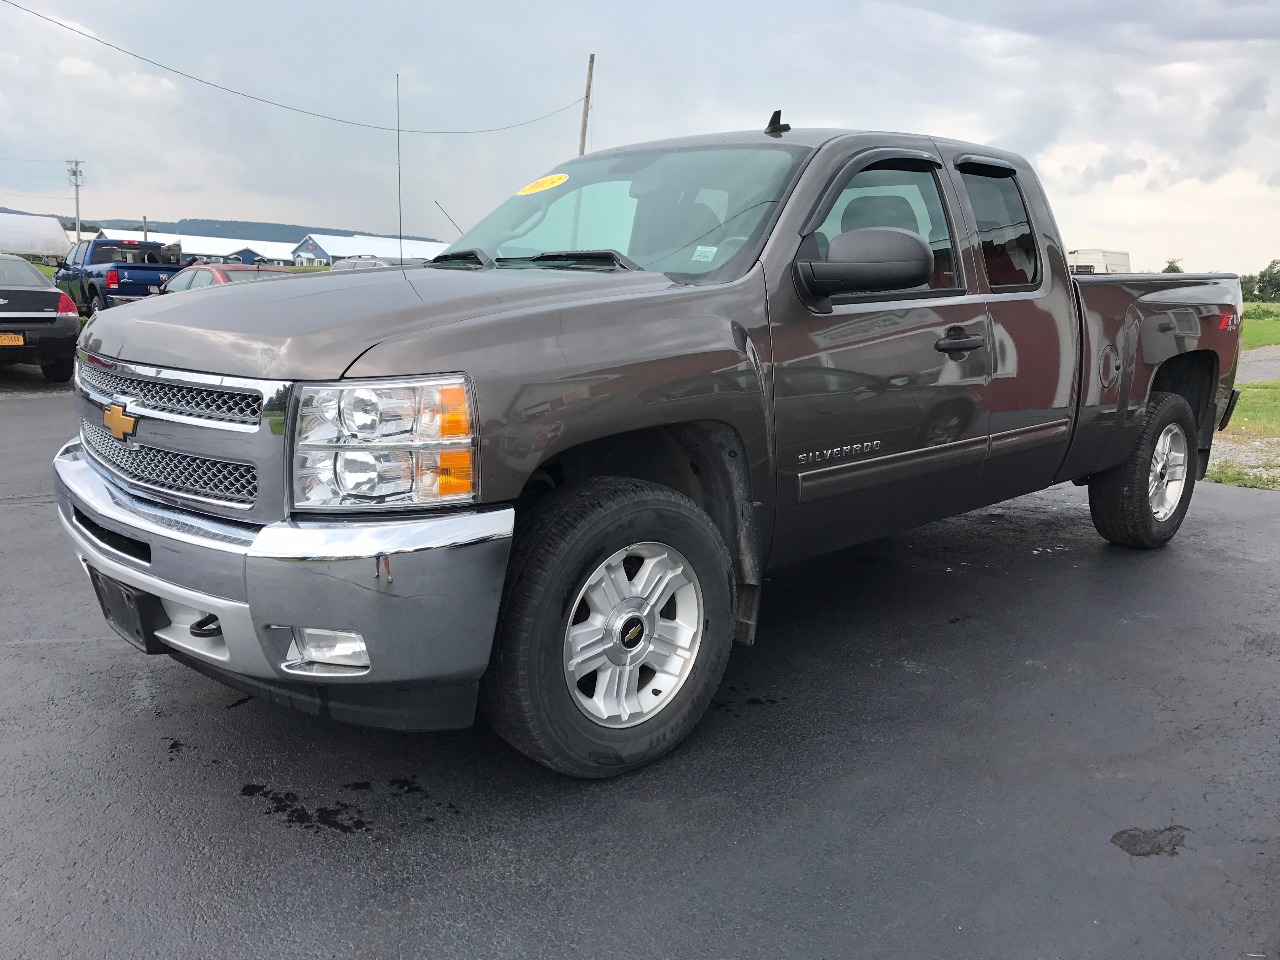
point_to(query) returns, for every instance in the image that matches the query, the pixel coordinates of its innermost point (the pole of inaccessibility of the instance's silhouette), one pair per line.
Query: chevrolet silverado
(546, 473)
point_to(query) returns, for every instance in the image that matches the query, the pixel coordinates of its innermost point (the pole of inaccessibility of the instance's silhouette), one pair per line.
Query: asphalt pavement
(992, 737)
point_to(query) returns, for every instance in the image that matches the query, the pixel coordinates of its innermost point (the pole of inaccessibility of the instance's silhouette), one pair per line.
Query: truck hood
(314, 326)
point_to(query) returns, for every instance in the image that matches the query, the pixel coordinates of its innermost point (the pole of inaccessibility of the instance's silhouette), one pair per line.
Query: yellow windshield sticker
(543, 183)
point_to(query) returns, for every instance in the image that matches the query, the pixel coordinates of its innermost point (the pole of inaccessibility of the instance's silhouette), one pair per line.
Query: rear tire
(97, 304)
(1142, 501)
(59, 371)
(615, 627)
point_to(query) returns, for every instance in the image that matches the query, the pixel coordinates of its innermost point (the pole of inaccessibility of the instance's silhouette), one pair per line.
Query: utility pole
(75, 177)
(586, 106)
(144, 226)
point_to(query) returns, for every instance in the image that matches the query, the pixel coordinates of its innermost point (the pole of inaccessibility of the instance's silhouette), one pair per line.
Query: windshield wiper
(471, 257)
(578, 258)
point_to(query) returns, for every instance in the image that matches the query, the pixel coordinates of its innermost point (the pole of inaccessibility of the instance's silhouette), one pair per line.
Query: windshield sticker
(543, 183)
(704, 254)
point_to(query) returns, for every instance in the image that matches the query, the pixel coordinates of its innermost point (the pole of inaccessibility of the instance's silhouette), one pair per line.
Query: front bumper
(428, 629)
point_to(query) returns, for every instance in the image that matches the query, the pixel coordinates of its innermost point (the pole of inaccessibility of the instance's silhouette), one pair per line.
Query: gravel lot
(992, 737)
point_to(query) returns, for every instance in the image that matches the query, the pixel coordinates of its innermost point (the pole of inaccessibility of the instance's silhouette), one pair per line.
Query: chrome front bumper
(428, 626)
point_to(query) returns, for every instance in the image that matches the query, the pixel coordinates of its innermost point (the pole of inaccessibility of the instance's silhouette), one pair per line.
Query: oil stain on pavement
(1137, 842)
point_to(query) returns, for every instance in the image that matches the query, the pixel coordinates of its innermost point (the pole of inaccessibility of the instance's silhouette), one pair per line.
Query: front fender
(559, 376)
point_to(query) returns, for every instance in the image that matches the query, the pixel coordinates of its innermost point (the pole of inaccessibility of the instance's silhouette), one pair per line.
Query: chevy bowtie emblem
(118, 422)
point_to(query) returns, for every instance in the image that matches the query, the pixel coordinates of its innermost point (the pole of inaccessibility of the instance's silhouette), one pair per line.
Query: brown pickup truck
(546, 472)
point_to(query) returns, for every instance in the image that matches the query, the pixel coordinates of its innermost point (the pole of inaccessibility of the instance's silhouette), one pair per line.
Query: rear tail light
(113, 279)
(67, 307)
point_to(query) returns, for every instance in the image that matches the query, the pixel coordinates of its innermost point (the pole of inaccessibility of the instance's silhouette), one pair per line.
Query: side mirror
(870, 260)
(153, 289)
(61, 264)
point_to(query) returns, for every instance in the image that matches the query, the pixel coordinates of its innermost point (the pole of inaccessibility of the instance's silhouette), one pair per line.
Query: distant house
(32, 236)
(324, 248)
(213, 249)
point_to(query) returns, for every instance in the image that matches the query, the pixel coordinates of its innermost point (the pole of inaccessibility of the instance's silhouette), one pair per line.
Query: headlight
(383, 444)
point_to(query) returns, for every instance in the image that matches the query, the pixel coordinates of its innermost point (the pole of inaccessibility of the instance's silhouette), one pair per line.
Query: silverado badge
(118, 422)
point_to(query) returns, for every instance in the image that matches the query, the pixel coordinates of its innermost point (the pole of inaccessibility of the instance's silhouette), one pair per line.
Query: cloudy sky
(1155, 125)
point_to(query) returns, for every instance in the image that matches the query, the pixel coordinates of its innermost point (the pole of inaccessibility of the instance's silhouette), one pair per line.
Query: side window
(181, 281)
(77, 255)
(896, 197)
(1004, 229)
(202, 278)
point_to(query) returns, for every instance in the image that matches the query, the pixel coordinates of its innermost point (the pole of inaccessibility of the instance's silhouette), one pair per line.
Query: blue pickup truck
(98, 274)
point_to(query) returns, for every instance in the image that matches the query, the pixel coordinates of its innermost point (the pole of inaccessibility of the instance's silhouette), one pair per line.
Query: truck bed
(1133, 323)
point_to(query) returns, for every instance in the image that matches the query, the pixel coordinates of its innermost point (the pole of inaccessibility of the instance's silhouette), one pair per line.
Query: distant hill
(234, 229)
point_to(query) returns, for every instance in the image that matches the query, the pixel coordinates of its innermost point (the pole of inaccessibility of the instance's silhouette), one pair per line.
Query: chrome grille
(179, 473)
(225, 406)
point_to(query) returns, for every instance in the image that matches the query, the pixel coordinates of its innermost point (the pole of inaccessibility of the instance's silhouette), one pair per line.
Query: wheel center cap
(631, 632)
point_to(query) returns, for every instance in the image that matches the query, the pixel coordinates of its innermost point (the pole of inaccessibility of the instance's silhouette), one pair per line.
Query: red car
(216, 274)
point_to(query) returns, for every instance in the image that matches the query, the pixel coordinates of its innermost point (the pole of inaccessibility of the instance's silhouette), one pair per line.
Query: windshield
(19, 273)
(684, 212)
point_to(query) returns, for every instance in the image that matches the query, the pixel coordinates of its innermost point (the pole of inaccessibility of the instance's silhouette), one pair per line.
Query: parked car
(98, 274)
(208, 274)
(38, 322)
(548, 471)
(366, 262)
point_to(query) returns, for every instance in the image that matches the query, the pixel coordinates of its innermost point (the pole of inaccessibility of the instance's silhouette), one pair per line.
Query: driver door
(877, 428)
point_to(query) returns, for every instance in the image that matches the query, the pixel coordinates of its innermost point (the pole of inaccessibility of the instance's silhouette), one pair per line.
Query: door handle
(957, 340)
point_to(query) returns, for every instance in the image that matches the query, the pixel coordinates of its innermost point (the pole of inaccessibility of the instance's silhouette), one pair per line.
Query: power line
(273, 103)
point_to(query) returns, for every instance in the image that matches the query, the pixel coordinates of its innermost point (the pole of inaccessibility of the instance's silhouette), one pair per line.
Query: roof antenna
(399, 195)
(776, 127)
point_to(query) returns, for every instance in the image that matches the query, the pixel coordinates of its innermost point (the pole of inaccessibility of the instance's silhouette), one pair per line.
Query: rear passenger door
(878, 428)
(1035, 330)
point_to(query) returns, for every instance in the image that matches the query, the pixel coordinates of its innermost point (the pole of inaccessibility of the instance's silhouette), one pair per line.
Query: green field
(1261, 325)
(1258, 412)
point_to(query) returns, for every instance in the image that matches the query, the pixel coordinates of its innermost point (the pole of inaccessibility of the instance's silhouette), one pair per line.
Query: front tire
(615, 627)
(1142, 501)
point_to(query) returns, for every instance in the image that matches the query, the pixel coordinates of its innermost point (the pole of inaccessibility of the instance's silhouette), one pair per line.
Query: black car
(38, 322)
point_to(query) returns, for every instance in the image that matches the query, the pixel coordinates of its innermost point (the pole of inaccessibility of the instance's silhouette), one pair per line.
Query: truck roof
(813, 137)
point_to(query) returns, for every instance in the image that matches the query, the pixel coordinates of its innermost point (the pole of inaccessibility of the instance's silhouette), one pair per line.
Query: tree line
(1263, 286)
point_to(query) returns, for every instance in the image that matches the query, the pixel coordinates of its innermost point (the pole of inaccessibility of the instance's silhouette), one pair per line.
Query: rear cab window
(1004, 228)
(127, 253)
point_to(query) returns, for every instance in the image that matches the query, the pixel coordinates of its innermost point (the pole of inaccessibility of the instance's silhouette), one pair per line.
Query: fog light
(341, 647)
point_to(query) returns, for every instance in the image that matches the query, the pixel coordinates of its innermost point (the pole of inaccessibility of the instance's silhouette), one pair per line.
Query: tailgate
(137, 279)
(23, 306)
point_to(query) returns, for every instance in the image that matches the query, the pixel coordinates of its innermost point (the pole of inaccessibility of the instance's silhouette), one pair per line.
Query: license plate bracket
(12, 339)
(130, 612)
